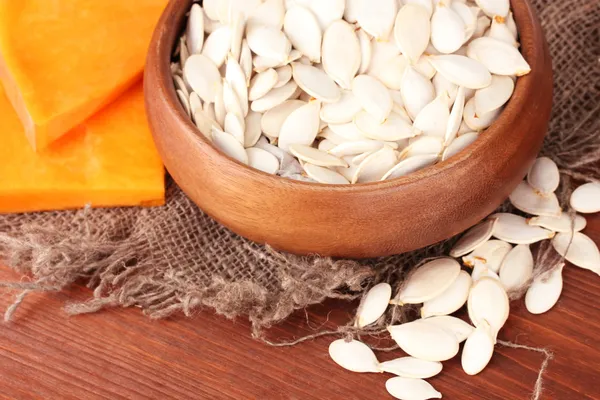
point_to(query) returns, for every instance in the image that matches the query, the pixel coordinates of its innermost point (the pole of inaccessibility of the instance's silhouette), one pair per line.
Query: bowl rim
(531, 49)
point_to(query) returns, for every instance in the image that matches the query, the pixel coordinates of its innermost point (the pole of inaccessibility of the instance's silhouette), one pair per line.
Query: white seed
(223, 11)
(499, 30)
(274, 118)
(459, 144)
(326, 145)
(483, 23)
(586, 198)
(348, 132)
(375, 166)
(324, 175)
(183, 53)
(527, 199)
(342, 111)
(235, 126)
(563, 224)
(429, 281)
(474, 238)
(457, 326)
(303, 30)
(491, 254)
(231, 100)
(217, 45)
(410, 367)
(417, 91)
(205, 124)
(426, 4)
(456, 117)
(354, 356)
(209, 110)
(195, 30)
(468, 15)
(411, 389)
(442, 84)
(253, 129)
(341, 62)
(412, 31)
(261, 64)
(488, 303)
(374, 96)
(392, 72)
(424, 67)
(183, 99)
(451, 299)
(284, 75)
(545, 291)
(377, 17)
(195, 103)
(494, 96)
(211, 9)
(270, 13)
(268, 42)
(358, 147)
(301, 126)
(494, 7)
(351, 11)
(274, 98)
(392, 129)
(579, 250)
(316, 82)
(180, 85)
(366, 49)
(410, 165)
(327, 11)
(481, 271)
(544, 176)
(500, 58)
(478, 350)
(349, 172)
(373, 305)
(237, 79)
(517, 268)
(432, 120)
(229, 145)
(357, 160)
(511, 25)
(203, 76)
(422, 145)
(238, 27)
(315, 156)
(245, 7)
(462, 71)
(425, 341)
(381, 53)
(476, 121)
(514, 229)
(447, 29)
(262, 160)
(262, 84)
(246, 61)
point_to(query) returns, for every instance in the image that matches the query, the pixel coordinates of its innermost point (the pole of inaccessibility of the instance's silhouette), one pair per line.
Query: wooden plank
(122, 354)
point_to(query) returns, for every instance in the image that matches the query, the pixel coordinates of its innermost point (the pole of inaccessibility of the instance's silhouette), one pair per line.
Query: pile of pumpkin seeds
(346, 91)
(498, 253)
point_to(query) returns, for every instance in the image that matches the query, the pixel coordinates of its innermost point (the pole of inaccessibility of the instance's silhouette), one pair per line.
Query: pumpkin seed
(447, 29)
(457, 326)
(456, 117)
(517, 268)
(354, 356)
(563, 224)
(270, 13)
(183, 99)
(391, 74)
(426, 4)
(424, 67)
(468, 15)
(245, 7)
(474, 238)
(253, 129)
(586, 198)
(432, 120)
(262, 160)
(366, 49)
(494, 7)
(429, 281)
(352, 10)
(494, 96)
(374, 96)
(410, 165)
(235, 126)
(425, 341)
(203, 76)
(284, 75)
(412, 31)
(327, 11)
(268, 42)
(315, 156)
(301, 126)
(394, 128)
(411, 389)
(375, 166)
(302, 28)
(514, 229)
(578, 249)
(195, 103)
(324, 175)
(373, 304)
(205, 123)
(316, 82)
(451, 299)
(217, 45)
(442, 84)
(219, 107)
(526, 199)
(410, 367)
(326, 145)
(500, 58)
(195, 30)
(211, 9)
(422, 145)
(274, 118)
(499, 30)
(544, 176)
(358, 147)
(377, 17)
(237, 79)
(229, 145)
(478, 122)
(481, 271)
(459, 144)
(381, 53)
(347, 132)
(478, 350)
(342, 111)
(238, 27)
(491, 254)
(262, 84)
(417, 91)
(231, 100)
(246, 61)
(544, 292)
(462, 71)
(488, 304)
(274, 98)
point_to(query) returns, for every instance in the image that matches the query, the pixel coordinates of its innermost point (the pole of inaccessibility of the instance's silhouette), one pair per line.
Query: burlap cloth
(176, 259)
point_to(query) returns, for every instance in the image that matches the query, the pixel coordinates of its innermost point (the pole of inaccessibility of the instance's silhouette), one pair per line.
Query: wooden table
(121, 354)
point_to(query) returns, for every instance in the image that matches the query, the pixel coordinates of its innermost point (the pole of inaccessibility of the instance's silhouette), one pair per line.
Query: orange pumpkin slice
(110, 160)
(63, 60)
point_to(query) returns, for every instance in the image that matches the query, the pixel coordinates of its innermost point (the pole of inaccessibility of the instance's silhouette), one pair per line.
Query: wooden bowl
(366, 220)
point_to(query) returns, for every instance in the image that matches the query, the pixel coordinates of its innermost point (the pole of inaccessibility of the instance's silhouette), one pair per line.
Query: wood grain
(120, 354)
(367, 220)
